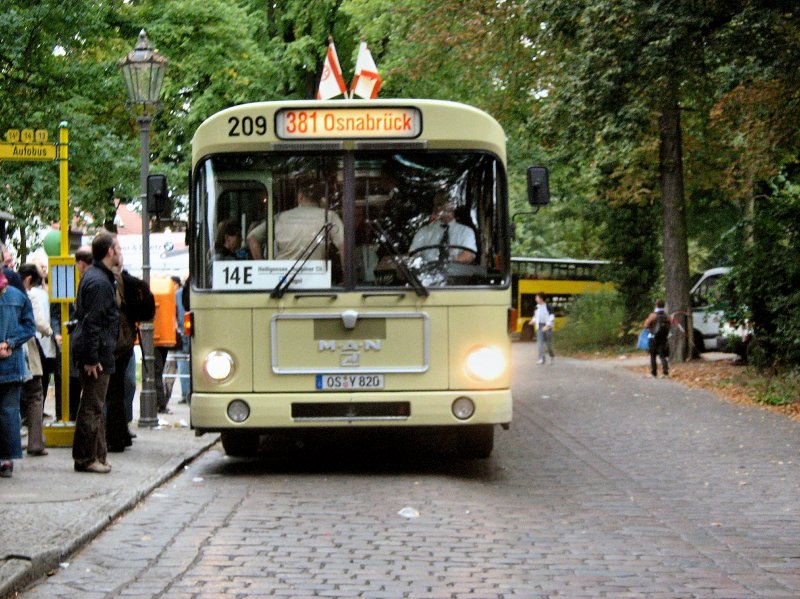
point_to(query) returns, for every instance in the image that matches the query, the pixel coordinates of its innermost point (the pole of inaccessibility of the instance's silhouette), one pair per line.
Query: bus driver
(443, 234)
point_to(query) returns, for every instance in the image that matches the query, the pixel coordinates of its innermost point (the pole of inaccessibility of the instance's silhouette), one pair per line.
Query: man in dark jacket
(93, 346)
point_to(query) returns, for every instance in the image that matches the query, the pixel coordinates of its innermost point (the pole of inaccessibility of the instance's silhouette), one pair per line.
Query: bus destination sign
(385, 122)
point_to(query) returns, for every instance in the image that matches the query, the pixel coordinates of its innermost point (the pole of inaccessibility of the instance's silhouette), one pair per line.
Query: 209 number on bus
(247, 126)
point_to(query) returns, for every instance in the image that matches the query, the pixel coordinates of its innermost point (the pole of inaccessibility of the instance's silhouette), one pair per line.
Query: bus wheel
(240, 444)
(476, 441)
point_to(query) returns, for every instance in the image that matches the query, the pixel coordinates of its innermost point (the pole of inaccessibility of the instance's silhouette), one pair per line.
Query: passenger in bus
(228, 244)
(443, 237)
(296, 228)
(257, 240)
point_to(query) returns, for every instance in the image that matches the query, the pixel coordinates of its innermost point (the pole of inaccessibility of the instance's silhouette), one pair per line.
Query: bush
(594, 320)
(766, 276)
(780, 389)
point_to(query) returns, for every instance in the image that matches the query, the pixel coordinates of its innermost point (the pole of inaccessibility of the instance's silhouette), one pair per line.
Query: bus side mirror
(156, 193)
(538, 186)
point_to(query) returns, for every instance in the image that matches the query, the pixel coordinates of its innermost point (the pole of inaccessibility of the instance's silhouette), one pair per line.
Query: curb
(27, 570)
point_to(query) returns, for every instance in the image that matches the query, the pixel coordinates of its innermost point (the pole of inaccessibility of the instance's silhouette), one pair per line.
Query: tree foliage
(582, 86)
(766, 277)
(53, 70)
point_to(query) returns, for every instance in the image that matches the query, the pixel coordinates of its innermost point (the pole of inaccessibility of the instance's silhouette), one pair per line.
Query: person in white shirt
(450, 238)
(47, 342)
(543, 320)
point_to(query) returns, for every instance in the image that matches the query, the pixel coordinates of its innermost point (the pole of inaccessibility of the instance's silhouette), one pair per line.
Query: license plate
(347, 382)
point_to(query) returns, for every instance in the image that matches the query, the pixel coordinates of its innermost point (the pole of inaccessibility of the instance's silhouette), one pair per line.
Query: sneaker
(665, 375)
(541, 362)
(96, 467)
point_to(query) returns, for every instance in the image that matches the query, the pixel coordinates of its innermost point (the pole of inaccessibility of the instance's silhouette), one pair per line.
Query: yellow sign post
(63, 287)
(32, 145)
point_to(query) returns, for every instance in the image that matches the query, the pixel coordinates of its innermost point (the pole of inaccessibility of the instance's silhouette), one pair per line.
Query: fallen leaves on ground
(729, 380)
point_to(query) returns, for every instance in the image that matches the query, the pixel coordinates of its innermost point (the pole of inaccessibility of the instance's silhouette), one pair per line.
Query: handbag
(644, 340)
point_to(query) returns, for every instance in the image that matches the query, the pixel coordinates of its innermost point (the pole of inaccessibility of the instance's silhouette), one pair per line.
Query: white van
(710, 332)
(705, 321)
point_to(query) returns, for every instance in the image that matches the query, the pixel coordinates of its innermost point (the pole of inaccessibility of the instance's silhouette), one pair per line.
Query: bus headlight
(218, 365)
(486, 363)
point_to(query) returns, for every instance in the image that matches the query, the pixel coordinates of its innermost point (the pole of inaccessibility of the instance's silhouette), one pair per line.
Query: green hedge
(594, 321)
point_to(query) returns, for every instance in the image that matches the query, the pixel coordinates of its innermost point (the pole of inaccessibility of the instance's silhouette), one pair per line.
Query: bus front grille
(349, 411)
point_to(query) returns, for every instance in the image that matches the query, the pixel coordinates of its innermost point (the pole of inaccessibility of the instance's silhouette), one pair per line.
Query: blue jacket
(16, 327)
(95, 337)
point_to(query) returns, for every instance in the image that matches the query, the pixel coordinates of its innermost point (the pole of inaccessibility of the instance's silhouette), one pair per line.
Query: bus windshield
(345, 220)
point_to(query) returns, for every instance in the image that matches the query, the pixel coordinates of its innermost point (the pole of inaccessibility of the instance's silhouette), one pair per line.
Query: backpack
(661, 326)
(139, 304)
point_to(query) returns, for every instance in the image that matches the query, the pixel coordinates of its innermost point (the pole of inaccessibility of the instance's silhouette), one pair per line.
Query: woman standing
(16, 327)
(33, 388)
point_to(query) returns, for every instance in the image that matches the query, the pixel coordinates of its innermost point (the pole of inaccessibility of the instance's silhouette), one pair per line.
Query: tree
(52, 70)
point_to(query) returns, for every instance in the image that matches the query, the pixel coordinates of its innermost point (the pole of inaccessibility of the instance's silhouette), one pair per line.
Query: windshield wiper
(294, 270)
(386, 242)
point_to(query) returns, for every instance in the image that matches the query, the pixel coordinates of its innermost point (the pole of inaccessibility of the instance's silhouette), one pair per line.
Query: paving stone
(614, 486)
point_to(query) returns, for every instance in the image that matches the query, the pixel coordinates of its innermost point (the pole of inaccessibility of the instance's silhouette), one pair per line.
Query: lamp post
(143, 69)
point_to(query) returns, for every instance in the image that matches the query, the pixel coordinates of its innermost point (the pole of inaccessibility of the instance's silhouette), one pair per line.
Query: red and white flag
(331, 84)
(367, 81)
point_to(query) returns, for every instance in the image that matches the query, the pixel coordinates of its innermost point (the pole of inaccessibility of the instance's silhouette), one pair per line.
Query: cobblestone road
(608, 485)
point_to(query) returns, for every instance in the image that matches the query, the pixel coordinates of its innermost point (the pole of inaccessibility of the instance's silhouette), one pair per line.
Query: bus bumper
(210, 411)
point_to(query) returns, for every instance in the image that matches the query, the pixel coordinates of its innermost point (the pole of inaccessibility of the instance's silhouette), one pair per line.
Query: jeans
(90, 429)
(129, 391)
(545, 338)
(10, 438)
(34, 400)
(184, 369)
(660, 349)
(116, 416)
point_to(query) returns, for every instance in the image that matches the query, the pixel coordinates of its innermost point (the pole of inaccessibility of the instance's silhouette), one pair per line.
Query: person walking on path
(94, 341)
(32, 388)
(544, 319)
(16, 327)
(657, 325)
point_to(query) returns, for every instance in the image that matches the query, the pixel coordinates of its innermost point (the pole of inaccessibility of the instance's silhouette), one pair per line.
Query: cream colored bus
(350, 268)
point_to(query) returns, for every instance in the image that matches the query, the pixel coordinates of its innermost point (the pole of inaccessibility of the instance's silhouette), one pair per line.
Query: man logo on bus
(349, 346)
(351, 350)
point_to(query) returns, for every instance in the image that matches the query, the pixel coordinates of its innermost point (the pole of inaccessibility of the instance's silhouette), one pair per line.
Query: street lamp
(143, 69)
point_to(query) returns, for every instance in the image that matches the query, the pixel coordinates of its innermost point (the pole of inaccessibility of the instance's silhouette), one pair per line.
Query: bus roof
(260, 126)
(558, 261)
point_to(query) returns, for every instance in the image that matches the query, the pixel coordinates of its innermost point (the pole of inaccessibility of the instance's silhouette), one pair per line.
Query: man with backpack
(657, 325)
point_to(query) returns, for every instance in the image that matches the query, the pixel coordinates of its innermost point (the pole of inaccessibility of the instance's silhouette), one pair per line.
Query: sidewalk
(49, 510)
